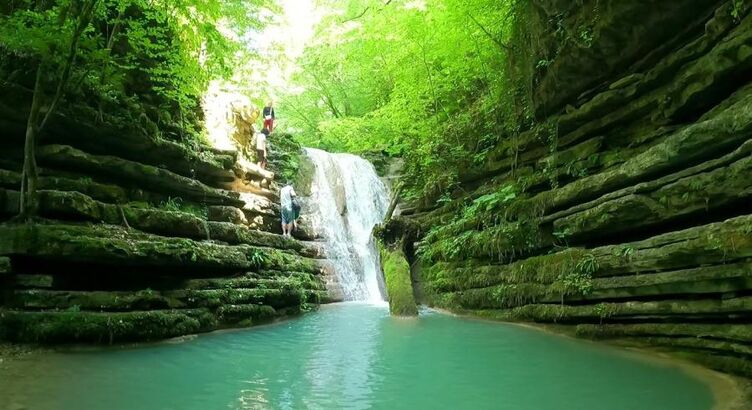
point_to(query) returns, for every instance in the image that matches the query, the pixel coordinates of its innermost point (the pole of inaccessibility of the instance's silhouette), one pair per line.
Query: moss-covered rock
(741, 333)
(77, 206)
(87, 300)
(277, 280)
(229, 214)
(111, 245)
(91, 327)
(399, 286)
(213, 298)
(246, 315)
(34, 281)
(694, 195)
(102, 192)
(131, 173)
(675, 310)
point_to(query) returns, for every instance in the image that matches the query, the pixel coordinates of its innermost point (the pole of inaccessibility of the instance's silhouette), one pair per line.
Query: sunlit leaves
(135, 49)
(424, 79)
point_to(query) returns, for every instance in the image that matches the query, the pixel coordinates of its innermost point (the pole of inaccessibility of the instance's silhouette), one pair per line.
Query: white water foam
(348, 200)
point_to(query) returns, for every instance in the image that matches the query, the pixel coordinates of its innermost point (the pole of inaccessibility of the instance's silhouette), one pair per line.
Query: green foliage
(579, 280)
(172, 204)
(737, 9)
(490, 202)
(257, 258)
(497, 225)
(176, 204)
(422, 81)
(73, 308)
(151, 59)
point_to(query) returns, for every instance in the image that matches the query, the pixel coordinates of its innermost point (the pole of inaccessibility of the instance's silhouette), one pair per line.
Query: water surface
(354, 356)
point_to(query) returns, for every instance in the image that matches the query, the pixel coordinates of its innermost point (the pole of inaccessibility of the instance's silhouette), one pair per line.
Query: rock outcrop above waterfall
(624, 214)
(140, 238)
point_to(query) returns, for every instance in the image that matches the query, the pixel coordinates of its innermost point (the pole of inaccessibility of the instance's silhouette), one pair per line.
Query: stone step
(709, 310)
(712, 244)
(135, 174)
(93, 327)
(74, 326)
(729, 332)
(697, 194)
(698, 281)
(147, 299)
(212, 298)
(77, 206)
(97, 137)
(281, 280)
(117, 246)
(698, 344)
(88, 300)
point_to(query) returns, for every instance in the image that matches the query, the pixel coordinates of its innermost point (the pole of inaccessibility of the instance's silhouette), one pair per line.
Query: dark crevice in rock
(738, 208)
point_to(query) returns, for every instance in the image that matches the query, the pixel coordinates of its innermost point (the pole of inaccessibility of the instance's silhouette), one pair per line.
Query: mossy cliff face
(621, 210)
(138, 238)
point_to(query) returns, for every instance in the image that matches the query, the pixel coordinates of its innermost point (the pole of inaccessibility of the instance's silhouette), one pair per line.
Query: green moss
(285, 156)
(304, 176)
(91, 327)
(293, 280)
(729, 332)
(111, 244)
(96, 300)
(213, 298)
(245, 315)
(398, 283)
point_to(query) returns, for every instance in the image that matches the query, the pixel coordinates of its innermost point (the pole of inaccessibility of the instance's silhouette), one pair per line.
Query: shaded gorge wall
(623, 209)
(140, 237)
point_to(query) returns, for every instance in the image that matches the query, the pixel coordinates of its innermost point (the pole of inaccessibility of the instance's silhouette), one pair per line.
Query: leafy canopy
(160, 53)
(422, 79)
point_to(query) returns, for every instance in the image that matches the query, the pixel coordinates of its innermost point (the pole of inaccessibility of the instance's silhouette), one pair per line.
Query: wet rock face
(635, 224)
(139, 239)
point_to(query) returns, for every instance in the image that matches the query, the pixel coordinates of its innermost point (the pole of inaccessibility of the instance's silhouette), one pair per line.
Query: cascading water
(347, 200)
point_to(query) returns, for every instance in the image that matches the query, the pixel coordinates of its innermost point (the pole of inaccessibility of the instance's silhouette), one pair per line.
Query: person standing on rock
(296, 213)
(261, 147)
(269, 117)
(286, 195)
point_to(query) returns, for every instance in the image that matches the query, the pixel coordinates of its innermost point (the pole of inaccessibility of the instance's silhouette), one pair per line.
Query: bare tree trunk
(108, 50)
(393, 204)
(28, 202)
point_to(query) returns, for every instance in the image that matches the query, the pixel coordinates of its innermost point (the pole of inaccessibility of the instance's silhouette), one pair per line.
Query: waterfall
(347, 200)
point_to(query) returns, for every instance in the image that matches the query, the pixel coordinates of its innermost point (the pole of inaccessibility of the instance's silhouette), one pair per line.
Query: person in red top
(268, 114)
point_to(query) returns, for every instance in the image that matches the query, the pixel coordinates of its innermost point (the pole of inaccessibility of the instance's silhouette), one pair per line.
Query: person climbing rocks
(286, 195)
(269, 117)
(296, 213)
(261, 147)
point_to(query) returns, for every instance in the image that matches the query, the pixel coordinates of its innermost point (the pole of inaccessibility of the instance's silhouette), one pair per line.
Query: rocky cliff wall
(140, 238)
(623, 211)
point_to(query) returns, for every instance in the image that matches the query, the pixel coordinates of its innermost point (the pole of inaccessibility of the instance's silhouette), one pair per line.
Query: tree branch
(84, 19)
(502, 45)
(364, 13)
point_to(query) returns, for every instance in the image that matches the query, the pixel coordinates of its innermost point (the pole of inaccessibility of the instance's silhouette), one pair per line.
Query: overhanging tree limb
(83, 21)
(501, 44)
(363, 13)
(29, 175)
